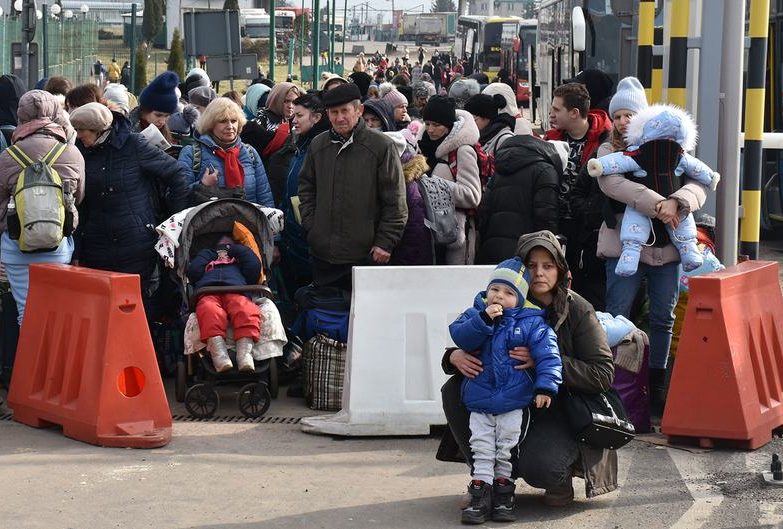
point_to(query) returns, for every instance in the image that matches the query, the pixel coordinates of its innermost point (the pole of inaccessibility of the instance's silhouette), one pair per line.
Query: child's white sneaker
(219, 354)
(245, 355)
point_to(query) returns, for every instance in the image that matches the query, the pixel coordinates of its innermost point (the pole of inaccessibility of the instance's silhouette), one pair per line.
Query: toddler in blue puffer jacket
(501, 318)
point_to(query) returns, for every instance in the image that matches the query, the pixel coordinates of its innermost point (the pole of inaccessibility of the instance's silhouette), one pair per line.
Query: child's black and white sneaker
(503, 500)
(480, 503)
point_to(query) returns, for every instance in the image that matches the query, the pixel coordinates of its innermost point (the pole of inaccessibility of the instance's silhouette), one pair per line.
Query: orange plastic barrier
(85, 360)
(727, 383)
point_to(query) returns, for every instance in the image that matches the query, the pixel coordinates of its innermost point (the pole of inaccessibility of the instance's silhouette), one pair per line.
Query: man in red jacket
(581, 201)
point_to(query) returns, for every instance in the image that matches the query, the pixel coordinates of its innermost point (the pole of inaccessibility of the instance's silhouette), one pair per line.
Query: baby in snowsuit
(501, 318)
(229, 264)
(659, 137)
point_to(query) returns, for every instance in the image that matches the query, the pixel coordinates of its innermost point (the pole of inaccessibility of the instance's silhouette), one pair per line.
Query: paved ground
(272, 476)
(238, 475)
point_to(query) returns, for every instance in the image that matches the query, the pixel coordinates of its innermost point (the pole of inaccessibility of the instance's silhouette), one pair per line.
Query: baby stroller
(196, 382)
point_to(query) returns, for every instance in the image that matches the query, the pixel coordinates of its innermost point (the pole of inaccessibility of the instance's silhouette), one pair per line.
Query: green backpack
(37, 214)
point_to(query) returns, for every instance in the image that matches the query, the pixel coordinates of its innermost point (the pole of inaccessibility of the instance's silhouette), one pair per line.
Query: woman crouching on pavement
(549, 456)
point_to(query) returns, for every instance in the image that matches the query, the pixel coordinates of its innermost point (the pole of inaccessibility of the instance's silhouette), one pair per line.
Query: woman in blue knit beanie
(157, 102)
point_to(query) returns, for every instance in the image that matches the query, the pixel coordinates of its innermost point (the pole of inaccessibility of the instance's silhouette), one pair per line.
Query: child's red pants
(214, 311)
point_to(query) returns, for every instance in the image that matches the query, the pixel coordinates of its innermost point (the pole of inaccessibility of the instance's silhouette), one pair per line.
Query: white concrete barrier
(397, 335)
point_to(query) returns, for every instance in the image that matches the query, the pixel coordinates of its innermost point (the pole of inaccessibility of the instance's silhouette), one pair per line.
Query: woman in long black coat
(130, 187)
(521, 197)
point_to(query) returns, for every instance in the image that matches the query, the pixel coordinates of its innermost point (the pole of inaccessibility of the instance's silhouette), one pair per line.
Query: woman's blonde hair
(618, 142)
(220, 109)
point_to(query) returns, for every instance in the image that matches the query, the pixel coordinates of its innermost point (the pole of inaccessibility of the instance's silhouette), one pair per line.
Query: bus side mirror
(578, 29)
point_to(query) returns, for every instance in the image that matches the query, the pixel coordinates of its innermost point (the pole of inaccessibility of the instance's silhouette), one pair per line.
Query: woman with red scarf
(219, 164)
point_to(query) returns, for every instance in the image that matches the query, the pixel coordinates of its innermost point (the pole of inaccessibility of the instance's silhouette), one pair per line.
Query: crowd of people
(344, 162)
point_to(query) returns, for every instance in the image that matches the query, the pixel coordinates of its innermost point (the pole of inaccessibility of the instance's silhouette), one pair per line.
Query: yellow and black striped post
(645, 47)
(657, 69)
(678, 53)
(754, 129)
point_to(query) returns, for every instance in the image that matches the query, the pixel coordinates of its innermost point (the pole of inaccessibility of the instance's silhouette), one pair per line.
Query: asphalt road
(272, 476)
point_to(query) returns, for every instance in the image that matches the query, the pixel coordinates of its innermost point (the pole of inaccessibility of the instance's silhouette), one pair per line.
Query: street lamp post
(84, 8)
(55, 10)
(44, 19)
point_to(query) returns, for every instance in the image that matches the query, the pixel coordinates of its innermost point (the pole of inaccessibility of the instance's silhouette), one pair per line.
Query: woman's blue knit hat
(160, 94)
(513, 274)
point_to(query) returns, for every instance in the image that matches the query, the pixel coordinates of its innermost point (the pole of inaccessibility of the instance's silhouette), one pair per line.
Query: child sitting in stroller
(230, 264)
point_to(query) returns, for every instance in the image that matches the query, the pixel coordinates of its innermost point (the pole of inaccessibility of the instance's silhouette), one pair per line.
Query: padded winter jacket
(38, 132)
(500, 388)
(415, 246)
(256, 184)
(130, 186)
(352, 196)
(465, 186)
(521, 198)
(244, 271)
(690, 198)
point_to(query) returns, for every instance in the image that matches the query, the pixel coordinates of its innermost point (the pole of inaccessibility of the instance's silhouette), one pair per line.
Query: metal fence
(68, 47)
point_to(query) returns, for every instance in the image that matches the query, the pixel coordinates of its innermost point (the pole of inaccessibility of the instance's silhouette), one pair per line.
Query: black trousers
(546, 456)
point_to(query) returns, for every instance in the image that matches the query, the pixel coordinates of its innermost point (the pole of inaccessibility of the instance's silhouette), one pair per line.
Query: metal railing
(68, 49)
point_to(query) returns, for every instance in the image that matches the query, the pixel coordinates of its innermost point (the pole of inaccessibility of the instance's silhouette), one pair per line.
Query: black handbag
(201, 193)
(598, 419)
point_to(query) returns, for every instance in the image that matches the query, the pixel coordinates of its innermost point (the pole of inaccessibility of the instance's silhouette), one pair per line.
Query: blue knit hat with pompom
(160, 94)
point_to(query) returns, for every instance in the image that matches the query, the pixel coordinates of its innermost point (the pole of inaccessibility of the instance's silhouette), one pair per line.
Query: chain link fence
(68, 49)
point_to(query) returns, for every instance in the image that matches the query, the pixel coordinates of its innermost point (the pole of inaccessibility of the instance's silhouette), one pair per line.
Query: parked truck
(428, 28)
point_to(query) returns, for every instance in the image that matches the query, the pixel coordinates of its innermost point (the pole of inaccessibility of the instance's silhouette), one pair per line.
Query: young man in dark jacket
(351, 193)
(581, 201)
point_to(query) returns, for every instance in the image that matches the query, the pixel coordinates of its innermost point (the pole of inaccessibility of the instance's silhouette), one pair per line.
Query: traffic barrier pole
(754, 128)
(678, 53)
(656, 92)
(645, 47)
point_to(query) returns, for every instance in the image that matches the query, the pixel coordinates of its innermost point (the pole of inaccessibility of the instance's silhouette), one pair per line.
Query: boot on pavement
(503, 500)
(245, 355)
(219, 354)
(560, 496)
(480, 506)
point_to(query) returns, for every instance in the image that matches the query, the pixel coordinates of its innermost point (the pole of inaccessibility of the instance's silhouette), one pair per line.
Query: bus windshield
(498, 36)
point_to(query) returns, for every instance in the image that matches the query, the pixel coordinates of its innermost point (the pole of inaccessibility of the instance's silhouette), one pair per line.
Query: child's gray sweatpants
(491, 439)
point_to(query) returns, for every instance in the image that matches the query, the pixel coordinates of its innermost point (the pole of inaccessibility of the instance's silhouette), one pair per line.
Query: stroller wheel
(254, 399)
(202, 401)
